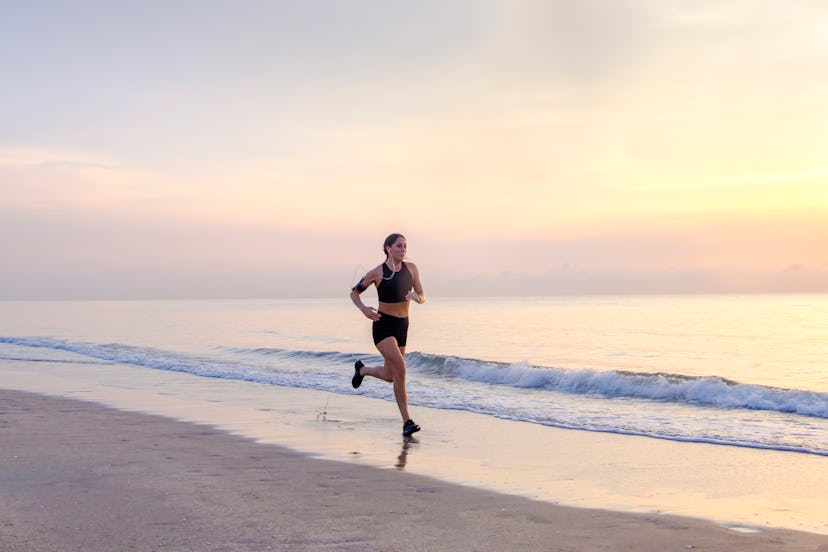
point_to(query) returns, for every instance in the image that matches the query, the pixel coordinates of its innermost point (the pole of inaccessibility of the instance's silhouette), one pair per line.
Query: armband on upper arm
(360, 287)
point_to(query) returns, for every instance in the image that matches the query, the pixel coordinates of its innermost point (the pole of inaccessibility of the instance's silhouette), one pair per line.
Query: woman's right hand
(371, 313)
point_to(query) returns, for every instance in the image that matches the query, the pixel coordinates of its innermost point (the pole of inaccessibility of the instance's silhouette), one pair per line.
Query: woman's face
(397, 250)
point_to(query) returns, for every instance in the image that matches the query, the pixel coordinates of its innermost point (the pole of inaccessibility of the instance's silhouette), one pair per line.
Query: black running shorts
(390, 326)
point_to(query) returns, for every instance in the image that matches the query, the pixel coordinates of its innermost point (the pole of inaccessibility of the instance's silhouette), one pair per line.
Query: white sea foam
(711, 391)
(681, 408)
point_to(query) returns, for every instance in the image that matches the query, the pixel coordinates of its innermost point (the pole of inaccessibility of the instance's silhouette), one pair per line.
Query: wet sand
(81, 476)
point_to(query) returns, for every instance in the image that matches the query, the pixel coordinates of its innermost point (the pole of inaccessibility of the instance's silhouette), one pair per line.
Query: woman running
(398, 283)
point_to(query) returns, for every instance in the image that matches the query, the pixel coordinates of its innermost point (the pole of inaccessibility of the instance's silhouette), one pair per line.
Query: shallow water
(738, 370)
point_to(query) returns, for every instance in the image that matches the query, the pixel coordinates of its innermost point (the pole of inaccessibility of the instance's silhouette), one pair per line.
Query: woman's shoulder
(375, 272)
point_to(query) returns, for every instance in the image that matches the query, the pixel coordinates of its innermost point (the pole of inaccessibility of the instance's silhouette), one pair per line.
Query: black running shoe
(356, 381)
(409, 428)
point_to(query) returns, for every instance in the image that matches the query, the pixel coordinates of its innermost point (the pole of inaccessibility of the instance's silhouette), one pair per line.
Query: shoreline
(79, 474)
(745, 490)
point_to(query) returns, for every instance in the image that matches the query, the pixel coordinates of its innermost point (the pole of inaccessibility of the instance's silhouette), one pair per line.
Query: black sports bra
(394, 286)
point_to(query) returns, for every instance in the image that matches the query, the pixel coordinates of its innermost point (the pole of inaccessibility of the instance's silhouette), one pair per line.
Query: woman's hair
(389, 241)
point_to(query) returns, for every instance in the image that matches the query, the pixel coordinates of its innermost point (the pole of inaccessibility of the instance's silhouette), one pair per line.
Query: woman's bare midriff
(400, 310)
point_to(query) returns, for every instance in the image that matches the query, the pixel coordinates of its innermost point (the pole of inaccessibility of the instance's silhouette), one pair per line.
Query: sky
(215, 148)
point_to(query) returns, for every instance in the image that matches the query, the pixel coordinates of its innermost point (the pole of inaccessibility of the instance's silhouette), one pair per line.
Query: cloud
(94, 253)
(580, 42)
(638, 143)
(569, 281)
(52, 179)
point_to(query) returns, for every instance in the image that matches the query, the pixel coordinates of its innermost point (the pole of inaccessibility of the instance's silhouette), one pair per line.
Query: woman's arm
(370, 278)
(418, 295)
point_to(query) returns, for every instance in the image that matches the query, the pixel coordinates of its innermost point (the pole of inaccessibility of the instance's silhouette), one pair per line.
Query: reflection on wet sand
(403, 457)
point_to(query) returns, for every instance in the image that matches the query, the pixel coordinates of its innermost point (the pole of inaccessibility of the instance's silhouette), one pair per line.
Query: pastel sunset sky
(258, 148)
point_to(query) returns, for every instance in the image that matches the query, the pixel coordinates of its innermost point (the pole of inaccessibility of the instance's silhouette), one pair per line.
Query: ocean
(731, 370)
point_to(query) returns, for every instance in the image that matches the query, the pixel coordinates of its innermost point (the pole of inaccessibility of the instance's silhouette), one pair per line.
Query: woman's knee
(393, 356)
(395, 365)
(398, 370)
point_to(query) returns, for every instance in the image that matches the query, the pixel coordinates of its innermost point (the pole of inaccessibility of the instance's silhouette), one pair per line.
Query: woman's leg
(392, 371)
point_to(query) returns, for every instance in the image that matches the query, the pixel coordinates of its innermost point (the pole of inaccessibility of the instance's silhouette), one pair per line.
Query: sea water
(733, 370)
